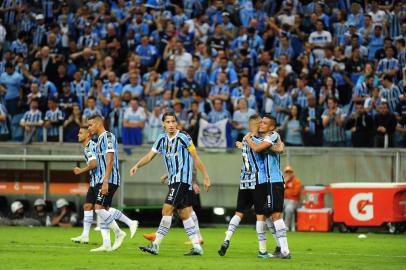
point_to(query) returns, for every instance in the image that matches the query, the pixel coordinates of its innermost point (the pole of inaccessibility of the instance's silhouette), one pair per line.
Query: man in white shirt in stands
(320, 39)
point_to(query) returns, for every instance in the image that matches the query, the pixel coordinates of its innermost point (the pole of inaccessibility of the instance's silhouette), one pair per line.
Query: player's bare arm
(257, 147)
(92, 165)
(109, 168)
(142, 162)
(201, 167)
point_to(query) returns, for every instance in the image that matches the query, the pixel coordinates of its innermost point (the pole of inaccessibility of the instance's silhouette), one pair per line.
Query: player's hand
(238, 144)
(248, 135)
(105, 188)
(164, 179)
(77, 170)
(207, 183)
(133, 170)
(196, 188)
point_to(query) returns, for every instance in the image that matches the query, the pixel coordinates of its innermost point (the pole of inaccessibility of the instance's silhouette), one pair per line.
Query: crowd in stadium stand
(331, 72)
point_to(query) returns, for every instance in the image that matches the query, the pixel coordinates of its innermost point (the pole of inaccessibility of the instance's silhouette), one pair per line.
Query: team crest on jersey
(110, 145)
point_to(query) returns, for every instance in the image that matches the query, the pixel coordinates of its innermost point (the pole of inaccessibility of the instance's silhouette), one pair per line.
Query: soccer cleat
(264, 255)
(223, 249)
(195, 252)
(281, 255)
(101, 249)
(119, 240)
(150, 236)
(277, 251)
(151, 249)
(80, 240)
(201, 242)
(133, 227)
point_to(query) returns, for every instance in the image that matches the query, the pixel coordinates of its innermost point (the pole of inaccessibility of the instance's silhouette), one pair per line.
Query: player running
(179, 154)
(276, 189)
(106, 185)
(252, 191)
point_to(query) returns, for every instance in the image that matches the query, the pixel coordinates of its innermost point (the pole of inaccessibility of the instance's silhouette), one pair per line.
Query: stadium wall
(314, 166)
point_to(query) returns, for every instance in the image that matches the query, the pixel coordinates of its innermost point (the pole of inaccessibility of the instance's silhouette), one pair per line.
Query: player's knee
(167, 210)
(87, 207)
(241, 215)
(98, 207)
(184, 213)
(276, 216)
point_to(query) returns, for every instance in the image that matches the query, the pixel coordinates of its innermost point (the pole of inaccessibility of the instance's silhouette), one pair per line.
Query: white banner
(212, 135)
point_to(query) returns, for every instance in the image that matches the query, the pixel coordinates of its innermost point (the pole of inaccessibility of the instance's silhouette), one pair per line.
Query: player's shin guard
(232, 226)
(118, 215)
(108, 219)
(281, 230)
(196, 221)
(271, 227)
(190, 229)
(87, 222)
(261, 232)
(163, 229)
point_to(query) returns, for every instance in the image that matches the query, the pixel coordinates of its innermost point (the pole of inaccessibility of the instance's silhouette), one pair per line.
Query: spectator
(390, 92)
(153, 87)
(72, 124)
(240, 119)
(40, 213)
(385, 126)
(19, 216)
(32, 123)
(4, 125)
(116, 119)
(312, 124)
(218, 113)
(153, 125)
(361, 125)
(91, 109)
(269, 88)
(80, 88)
(329, 89)
(291, 127)
(400, 134)
(133, 123)
(134, 87)
(10, 86)
(333, 121)
(282, 103)
(292, 197)
(221, 89)
(371, 103)
(64, 216)
(53, 120)
(389, 65)
(182, 58)
(193, 119)
(187, 82)
(181, 114)
(67, 100)
(320, 39)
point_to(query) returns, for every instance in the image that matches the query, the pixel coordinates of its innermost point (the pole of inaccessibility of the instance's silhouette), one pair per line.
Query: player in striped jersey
(275, 196)
(106, 185)
(89, 151)
(179, 154)
(252, 191)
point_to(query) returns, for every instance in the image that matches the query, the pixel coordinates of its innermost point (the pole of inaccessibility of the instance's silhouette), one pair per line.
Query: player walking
(107, 184)
(179, 154)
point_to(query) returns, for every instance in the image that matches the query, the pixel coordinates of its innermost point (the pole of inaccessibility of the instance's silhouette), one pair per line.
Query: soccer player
(107, 184)
(275, 196)
(179, 154)
(252, 191)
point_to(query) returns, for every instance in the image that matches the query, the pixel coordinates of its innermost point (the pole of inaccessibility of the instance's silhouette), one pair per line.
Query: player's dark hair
(84, 127)
(91, 97)
(171, 113)
(95, 117)
(270, 117)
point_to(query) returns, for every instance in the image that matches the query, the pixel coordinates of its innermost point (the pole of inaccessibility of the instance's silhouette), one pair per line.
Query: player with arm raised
(275, 196)
(107, 184)
(179, 154)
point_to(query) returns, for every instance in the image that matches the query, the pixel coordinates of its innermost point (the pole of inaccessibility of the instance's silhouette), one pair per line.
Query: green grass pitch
(50, 248)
